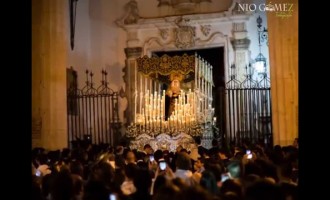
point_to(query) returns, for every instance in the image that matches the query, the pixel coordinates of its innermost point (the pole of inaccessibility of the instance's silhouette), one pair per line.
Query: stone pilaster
(130, 79)
(283, 55)
(240, 44)
(49, 62)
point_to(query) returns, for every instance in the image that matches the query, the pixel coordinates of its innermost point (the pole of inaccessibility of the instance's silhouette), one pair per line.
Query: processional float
(165, 120)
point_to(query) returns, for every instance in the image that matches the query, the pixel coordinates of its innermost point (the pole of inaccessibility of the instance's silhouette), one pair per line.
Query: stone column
(49, 62)
(283, 55)
(130, 79)
(240, 45)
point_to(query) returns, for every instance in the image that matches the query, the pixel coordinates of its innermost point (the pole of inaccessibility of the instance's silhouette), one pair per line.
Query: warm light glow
(259, 66)
(189, 109)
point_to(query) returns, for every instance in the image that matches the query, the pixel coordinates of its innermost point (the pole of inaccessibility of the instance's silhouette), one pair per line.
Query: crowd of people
(102, 172)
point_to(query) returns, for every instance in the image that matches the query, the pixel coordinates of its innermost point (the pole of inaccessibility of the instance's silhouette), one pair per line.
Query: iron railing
(93, 113)
(248, 111)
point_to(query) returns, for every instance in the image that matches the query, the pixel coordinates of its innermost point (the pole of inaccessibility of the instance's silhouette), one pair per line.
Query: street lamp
(260, 61)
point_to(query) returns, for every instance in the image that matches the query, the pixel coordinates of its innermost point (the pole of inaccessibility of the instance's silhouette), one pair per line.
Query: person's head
(215, 143)
(142, 180)
(130, 157)
(166, 192)
(198, 140)
(148, 149)
(209, 182)
(198, 164)
(235, 169)
(296, 142)
(130, 170)
(183, 161)
(231, 185)
(264, 190)
(158, 155)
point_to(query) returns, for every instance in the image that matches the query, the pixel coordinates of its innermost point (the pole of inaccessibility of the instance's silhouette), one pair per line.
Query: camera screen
(224, 177)
(112, 197)
(151, 158)
(162, 165)
(38, 173)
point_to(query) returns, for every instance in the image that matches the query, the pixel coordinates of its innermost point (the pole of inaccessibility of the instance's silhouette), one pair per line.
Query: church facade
(109, 36)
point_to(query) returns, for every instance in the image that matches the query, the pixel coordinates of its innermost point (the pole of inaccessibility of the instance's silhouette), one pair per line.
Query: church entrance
(214, 56)
(242, 108)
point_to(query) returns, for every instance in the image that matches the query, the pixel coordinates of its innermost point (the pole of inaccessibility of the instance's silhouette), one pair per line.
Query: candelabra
(189, 116)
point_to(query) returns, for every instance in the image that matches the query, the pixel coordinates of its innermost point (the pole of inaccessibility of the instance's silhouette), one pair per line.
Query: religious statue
(172, 93)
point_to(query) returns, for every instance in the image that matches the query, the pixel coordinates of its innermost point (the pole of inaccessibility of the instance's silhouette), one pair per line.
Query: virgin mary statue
(172, 93)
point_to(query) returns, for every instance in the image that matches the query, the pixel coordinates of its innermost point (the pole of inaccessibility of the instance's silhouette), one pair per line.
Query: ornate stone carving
(164, 33)
(184, 36)
(131, 15)
(132, 12)
(206, 29)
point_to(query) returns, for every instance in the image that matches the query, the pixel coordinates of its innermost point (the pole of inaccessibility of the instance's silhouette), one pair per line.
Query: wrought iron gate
(92, 112)
(248, 111)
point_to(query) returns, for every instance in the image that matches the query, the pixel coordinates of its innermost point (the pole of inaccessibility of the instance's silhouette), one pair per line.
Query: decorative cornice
(195, 19)
(241, 44)
(133, 52)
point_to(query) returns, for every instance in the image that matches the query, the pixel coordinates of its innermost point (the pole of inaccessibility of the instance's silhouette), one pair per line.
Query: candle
(135, 104)
(141, 97)
(196, 64)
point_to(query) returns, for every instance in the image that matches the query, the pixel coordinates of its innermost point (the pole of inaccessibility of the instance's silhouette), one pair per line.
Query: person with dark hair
(158, 155)
(183, 169)
(215, 147)
(235, 168)
(296, 143)
(95, 189)
(167, 192)
(216, 169)
(195, 193)
(142, 182)
(202, 151)
(209, 182)
(127, 187)
(262, 190)
(231, 185)
(160, 181)
(62, 187)
(289, 190)
(148, 149)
